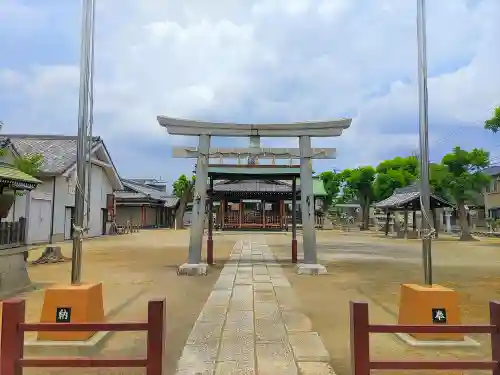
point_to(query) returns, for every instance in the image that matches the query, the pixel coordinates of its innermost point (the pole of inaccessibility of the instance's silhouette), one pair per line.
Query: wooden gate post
(360, 338)
(157, 336)
(12, 337)
(495, 336)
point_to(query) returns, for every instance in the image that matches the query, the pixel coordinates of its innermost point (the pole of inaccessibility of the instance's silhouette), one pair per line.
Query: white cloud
(13, 10)
(277, 60)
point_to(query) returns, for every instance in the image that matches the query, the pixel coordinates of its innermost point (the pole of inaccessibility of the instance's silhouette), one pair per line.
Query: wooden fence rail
(12, 233)
(360, 343)
(12, 340)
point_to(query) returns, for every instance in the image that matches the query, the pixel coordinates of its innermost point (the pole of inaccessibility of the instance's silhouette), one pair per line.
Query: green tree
(394, 173)
(360, 181)
(29, 164)
(332, 182)
(462, 178)
(493, 123)
(183, 189)
(437, 179)
(347, 194)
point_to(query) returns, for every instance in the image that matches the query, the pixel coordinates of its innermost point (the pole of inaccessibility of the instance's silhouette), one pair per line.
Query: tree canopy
(182, 185)
(29, 164)
(461, 177)
(394, 173)
(183, 189)
(333, 183)
(360, 182)
(462, 173)
(458, 178)
(493, 123)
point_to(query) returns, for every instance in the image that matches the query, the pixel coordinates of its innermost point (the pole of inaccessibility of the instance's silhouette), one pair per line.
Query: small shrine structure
(405, 200)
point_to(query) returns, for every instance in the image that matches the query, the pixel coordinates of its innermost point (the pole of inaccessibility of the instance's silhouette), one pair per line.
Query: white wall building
(51, 205)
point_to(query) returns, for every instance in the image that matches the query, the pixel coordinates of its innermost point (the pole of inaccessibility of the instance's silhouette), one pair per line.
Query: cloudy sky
(253, 61)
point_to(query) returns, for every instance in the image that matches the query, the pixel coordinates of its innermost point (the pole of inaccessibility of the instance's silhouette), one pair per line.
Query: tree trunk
(179, 214)
(365, 213)
(464, 225)
(181, 210)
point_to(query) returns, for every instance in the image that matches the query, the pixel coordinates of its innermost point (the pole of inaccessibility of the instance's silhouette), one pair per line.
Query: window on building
(495, 213)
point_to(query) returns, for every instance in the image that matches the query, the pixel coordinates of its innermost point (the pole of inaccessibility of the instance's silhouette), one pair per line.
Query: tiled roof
(153, 183)
(138, 190)
(400, 196)
(400, 199)
(397, 200)
(128, 195)
(280, 186)
(14, 177)
(144, 189)
(171, 201)
(494, 170)
(413, 188)
(59, 152)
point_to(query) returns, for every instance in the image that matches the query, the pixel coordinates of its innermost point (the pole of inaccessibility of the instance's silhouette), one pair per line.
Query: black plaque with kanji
(439, 315)
(63, 314)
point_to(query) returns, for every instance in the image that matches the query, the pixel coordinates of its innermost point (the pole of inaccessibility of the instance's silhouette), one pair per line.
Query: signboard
(439, 315)
(63, 314)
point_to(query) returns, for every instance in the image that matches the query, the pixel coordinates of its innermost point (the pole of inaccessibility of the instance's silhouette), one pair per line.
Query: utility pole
(425, 199)
(83, 117)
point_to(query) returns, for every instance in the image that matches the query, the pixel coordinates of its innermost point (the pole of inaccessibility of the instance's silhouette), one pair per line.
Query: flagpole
(91, 114)
(424, 142)
(76, 260)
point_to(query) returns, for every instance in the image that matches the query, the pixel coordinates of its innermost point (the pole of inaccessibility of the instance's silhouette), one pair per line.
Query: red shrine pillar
(241, 213)
(282, 211)
(263, 214)
(210, 241)
(294, 221)
(222, 213)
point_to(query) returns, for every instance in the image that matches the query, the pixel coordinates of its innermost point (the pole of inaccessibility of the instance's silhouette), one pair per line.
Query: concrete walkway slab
(250, 323)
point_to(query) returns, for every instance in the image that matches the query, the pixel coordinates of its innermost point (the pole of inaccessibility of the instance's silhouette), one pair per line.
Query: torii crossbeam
(261, 153)
(205, 130)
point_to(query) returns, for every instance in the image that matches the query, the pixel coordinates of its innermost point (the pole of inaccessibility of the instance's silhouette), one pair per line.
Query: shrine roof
(266, 186)
(16, 179)
(410, 199)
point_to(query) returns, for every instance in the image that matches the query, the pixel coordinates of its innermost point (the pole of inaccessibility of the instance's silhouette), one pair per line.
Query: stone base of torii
(206, 130)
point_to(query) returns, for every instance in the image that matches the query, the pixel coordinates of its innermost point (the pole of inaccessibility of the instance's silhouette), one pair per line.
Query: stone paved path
(250, 323)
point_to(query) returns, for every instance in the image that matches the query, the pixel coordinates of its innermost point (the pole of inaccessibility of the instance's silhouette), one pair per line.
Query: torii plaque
(205, 130)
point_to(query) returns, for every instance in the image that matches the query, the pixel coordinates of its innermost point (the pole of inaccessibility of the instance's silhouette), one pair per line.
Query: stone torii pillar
(199, 204)
(204, 130)
(310, 264)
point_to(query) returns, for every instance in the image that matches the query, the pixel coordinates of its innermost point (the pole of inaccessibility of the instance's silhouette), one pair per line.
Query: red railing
(360, 343)
(12, 340)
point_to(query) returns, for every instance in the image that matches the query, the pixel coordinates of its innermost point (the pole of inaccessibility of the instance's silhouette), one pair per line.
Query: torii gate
(205, 130)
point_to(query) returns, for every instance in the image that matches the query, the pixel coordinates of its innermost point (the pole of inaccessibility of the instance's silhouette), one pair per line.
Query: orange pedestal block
(74, 304)
(420, 304)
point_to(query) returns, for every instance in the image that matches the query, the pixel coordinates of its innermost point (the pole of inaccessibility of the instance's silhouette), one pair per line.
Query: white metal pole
(91, 113)
(424, 142)
(76, 260)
